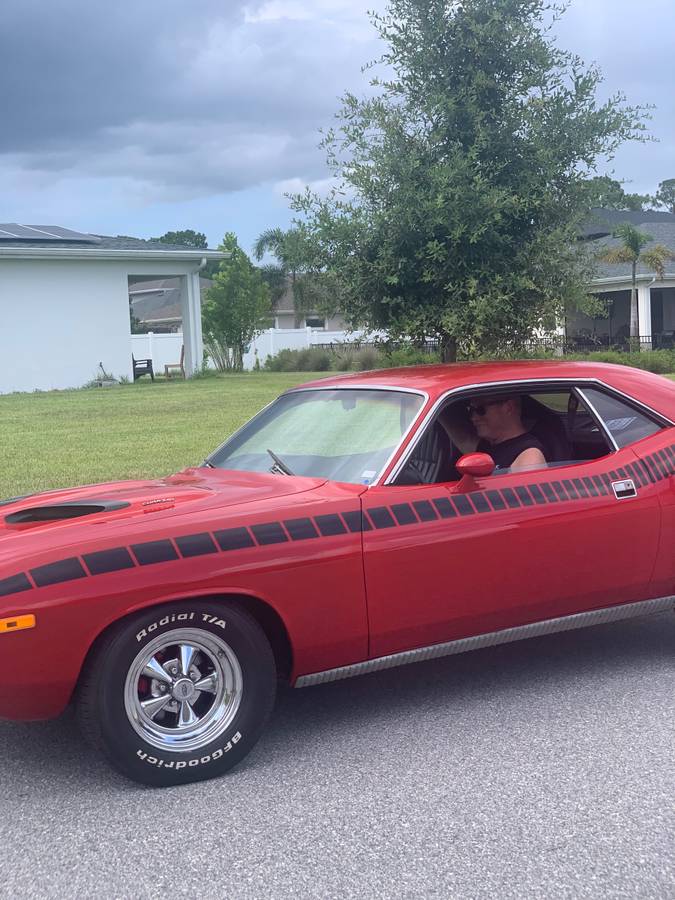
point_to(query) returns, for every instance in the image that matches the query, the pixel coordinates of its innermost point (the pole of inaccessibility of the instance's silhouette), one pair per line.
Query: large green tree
(665, 196)
(608, 193)
(187, 237)
(630, 250)
(460, 182)
(236, 308)
(196, 239)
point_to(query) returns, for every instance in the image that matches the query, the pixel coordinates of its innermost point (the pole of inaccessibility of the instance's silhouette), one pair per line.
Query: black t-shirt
(505, 452)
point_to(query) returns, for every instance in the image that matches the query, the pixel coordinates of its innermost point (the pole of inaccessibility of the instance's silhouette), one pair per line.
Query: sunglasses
(479, 409)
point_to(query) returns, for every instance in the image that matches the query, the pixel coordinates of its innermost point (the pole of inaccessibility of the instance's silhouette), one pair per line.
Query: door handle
(624, 489)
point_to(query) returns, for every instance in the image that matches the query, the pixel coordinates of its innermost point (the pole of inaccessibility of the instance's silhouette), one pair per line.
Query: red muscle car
(358, 522)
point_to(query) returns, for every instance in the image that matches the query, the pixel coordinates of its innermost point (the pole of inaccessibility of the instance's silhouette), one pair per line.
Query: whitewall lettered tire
(178, 693)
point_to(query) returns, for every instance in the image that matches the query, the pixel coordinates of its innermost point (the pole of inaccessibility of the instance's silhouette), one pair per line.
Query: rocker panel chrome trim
(491, 639)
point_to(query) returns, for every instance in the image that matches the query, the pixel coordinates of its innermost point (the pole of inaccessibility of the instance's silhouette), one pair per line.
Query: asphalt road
(540, 769)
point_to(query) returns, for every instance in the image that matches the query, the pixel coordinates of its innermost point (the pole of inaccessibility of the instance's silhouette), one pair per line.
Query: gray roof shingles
(104, 242)
(598, 234)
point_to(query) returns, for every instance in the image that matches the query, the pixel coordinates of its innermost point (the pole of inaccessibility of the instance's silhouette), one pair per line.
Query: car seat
(548, 428)
(430, 460)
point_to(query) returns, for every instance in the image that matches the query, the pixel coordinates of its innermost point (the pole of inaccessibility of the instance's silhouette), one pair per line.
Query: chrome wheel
(183, 690)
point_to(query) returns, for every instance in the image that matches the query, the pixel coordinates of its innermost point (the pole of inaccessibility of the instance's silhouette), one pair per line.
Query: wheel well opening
(273, 626)
(268, 619)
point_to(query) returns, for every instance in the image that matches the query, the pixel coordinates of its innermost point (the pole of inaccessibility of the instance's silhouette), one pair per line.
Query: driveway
(539, 769)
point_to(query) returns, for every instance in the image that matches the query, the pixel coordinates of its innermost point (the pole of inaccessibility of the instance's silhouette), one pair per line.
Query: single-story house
(286, 316)
(656, 297)
(64, 302)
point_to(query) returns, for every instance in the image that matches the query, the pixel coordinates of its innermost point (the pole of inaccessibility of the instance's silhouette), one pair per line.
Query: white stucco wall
(60, 318)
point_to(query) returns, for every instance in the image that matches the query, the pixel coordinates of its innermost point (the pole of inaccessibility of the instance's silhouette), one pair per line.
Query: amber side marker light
(17, 623)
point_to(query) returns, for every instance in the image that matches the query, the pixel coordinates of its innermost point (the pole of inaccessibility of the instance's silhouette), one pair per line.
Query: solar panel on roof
(14, 233)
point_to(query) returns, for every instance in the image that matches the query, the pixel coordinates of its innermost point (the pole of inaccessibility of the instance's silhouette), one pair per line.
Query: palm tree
(293, 252)
(630, 251)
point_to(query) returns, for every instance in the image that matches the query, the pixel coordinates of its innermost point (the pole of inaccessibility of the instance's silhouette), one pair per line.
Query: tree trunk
(634, 320)
(448, 348)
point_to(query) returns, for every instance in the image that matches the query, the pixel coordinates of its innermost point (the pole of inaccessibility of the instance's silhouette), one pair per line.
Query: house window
(315, 322)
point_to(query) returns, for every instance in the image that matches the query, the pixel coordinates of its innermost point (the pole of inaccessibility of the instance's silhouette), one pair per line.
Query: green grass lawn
(65, 438)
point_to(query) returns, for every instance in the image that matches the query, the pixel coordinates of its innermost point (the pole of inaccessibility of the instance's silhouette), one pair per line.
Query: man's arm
(460, 432)
(528, 459)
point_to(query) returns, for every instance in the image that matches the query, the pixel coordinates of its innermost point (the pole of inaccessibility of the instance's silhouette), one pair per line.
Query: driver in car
(499, 431)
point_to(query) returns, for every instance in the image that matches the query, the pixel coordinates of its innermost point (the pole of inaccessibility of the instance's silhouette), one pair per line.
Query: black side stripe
(445, 508)
(269, 533)
(496, 500)
(560, 490)
(510, 496)
(104, 561)
(462, 504)
(658, 466)
(152, 552)
(14, 585)
(579, 485)
(548, 491)
(524, 496)
(233, 538)
(301, 529)
(330, 525)
(635, 474)
(479, 501)
(571, 490)
(57, 572)
(651, 469)
(591, 486)
(356, 521)
(535, 491)
(381, 517)
(667, 465)
(404, 514)
(196, 545)
(425, 511)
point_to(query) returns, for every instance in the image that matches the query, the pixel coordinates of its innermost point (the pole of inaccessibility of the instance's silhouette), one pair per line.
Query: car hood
(119, 500)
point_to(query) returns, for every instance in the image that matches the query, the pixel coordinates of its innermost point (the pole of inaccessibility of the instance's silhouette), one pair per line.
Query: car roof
(435, 380)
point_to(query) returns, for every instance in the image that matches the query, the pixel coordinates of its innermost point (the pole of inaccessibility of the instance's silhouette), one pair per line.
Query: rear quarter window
(624, 422)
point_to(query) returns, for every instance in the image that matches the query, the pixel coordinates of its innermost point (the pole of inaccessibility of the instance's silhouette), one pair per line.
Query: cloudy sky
(140, 116)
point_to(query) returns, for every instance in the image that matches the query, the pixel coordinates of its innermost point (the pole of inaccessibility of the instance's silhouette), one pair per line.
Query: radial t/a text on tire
(178, 693)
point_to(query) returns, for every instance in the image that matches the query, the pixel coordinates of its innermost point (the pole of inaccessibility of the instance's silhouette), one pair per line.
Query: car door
(655, 449)
(444, 562)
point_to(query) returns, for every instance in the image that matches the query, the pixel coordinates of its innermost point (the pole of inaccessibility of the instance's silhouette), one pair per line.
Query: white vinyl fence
(164, 349)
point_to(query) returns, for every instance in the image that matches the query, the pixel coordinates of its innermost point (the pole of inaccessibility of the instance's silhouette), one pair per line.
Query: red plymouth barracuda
(358, 522)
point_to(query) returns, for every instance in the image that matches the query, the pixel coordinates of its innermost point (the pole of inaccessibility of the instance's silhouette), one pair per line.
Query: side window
(624, 423)
(500, 422)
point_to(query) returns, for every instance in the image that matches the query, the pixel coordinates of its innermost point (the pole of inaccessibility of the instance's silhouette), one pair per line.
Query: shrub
(410, 356)
(314, 360)
(660, 361)
(311, 359)
(343, 360)
(368, 358)
(283, 361)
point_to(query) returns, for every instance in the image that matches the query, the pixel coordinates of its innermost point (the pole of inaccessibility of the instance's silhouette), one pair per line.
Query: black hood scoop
(61, 511)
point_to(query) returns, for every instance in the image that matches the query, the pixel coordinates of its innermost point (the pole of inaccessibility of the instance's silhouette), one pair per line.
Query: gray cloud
(177, 99)
(207, 96)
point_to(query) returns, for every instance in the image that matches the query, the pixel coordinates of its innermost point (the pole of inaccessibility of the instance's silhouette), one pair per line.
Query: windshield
(343, 435)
